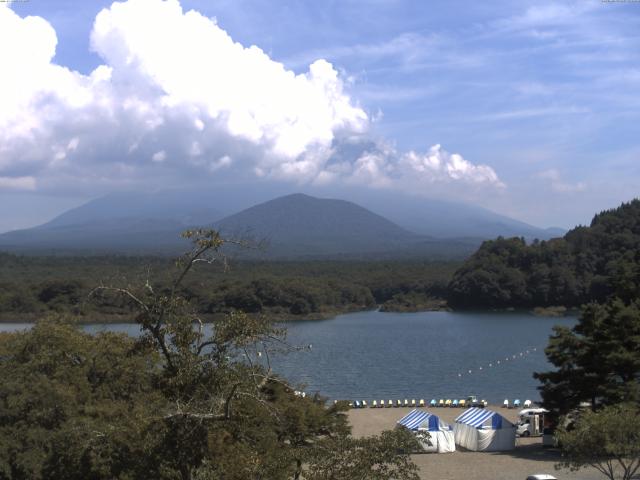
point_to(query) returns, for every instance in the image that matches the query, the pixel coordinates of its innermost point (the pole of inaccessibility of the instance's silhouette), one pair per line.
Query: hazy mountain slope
(299, 224)
(426, 216)
(445, 219)
(295, 225)
(124, 235)
(556, 232)
(125, 223)
(177, 207)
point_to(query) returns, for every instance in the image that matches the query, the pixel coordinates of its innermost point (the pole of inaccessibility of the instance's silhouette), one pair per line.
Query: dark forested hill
(149, 223)
(295, 226)
(588, 263)
(303, 224)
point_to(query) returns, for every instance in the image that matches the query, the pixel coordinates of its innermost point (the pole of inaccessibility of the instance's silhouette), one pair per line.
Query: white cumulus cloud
(560, 186)
(177, 95)
(380, 165)
(159, 157)
(438, 164)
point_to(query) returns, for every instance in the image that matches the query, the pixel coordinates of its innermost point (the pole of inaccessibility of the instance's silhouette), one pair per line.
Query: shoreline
(560, 312)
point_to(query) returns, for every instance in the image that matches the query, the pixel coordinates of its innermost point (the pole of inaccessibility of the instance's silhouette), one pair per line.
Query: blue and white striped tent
(440, 439)
(420, 419)
(486, 430)
(479, 418)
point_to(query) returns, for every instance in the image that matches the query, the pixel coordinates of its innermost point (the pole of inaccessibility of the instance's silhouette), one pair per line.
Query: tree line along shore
(590, 263)
(33, 286)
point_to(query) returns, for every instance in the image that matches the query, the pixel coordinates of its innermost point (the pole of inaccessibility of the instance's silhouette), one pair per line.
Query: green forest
(590, 263)
(177, 403)
(31, 286)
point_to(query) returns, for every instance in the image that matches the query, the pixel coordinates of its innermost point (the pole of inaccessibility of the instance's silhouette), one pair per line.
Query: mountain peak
(300, 224)
(297, 224)
(297, 196)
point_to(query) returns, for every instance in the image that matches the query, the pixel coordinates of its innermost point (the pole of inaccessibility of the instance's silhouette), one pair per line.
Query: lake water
(376, 355)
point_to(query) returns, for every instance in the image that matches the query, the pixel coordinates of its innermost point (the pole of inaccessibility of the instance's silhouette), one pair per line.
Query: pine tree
(598, 360)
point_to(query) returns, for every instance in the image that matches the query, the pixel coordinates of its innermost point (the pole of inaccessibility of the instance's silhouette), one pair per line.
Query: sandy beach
(527, 459)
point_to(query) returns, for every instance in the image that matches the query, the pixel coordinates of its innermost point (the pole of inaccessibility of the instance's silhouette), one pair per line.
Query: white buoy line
(500, 362)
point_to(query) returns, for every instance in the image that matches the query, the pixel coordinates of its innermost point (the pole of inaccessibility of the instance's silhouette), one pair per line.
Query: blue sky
(535, 106)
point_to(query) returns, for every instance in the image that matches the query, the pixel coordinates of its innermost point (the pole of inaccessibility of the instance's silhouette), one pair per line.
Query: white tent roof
(480, 417)
(420, 419)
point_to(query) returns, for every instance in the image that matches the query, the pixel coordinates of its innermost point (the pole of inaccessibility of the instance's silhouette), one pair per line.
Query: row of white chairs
(406, 403)
(516, 403)
(390, 403)
(413, 403)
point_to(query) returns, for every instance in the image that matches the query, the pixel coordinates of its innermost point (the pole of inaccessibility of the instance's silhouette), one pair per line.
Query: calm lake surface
(376, 355)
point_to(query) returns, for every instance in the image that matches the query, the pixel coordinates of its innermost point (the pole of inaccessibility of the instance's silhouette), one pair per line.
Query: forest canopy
(178, 402)
(34, 286)
(591, 263)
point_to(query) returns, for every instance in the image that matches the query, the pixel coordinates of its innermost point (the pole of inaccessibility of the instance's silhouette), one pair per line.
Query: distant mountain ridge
(167, 206)
(299, 224)
(445, 219)
(296, 225)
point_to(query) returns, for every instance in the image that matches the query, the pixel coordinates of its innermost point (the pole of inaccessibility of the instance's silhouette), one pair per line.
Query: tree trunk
(298, 472)
(185, 472)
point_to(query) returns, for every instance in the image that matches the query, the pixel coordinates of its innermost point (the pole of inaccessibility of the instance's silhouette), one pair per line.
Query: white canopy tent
(479, 429)
(441, 438)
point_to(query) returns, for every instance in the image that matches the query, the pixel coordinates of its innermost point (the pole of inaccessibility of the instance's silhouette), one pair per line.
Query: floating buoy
(496, 363)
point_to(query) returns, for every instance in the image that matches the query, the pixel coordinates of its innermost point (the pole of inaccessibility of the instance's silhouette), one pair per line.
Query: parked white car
(523, 430)
(541, 476)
